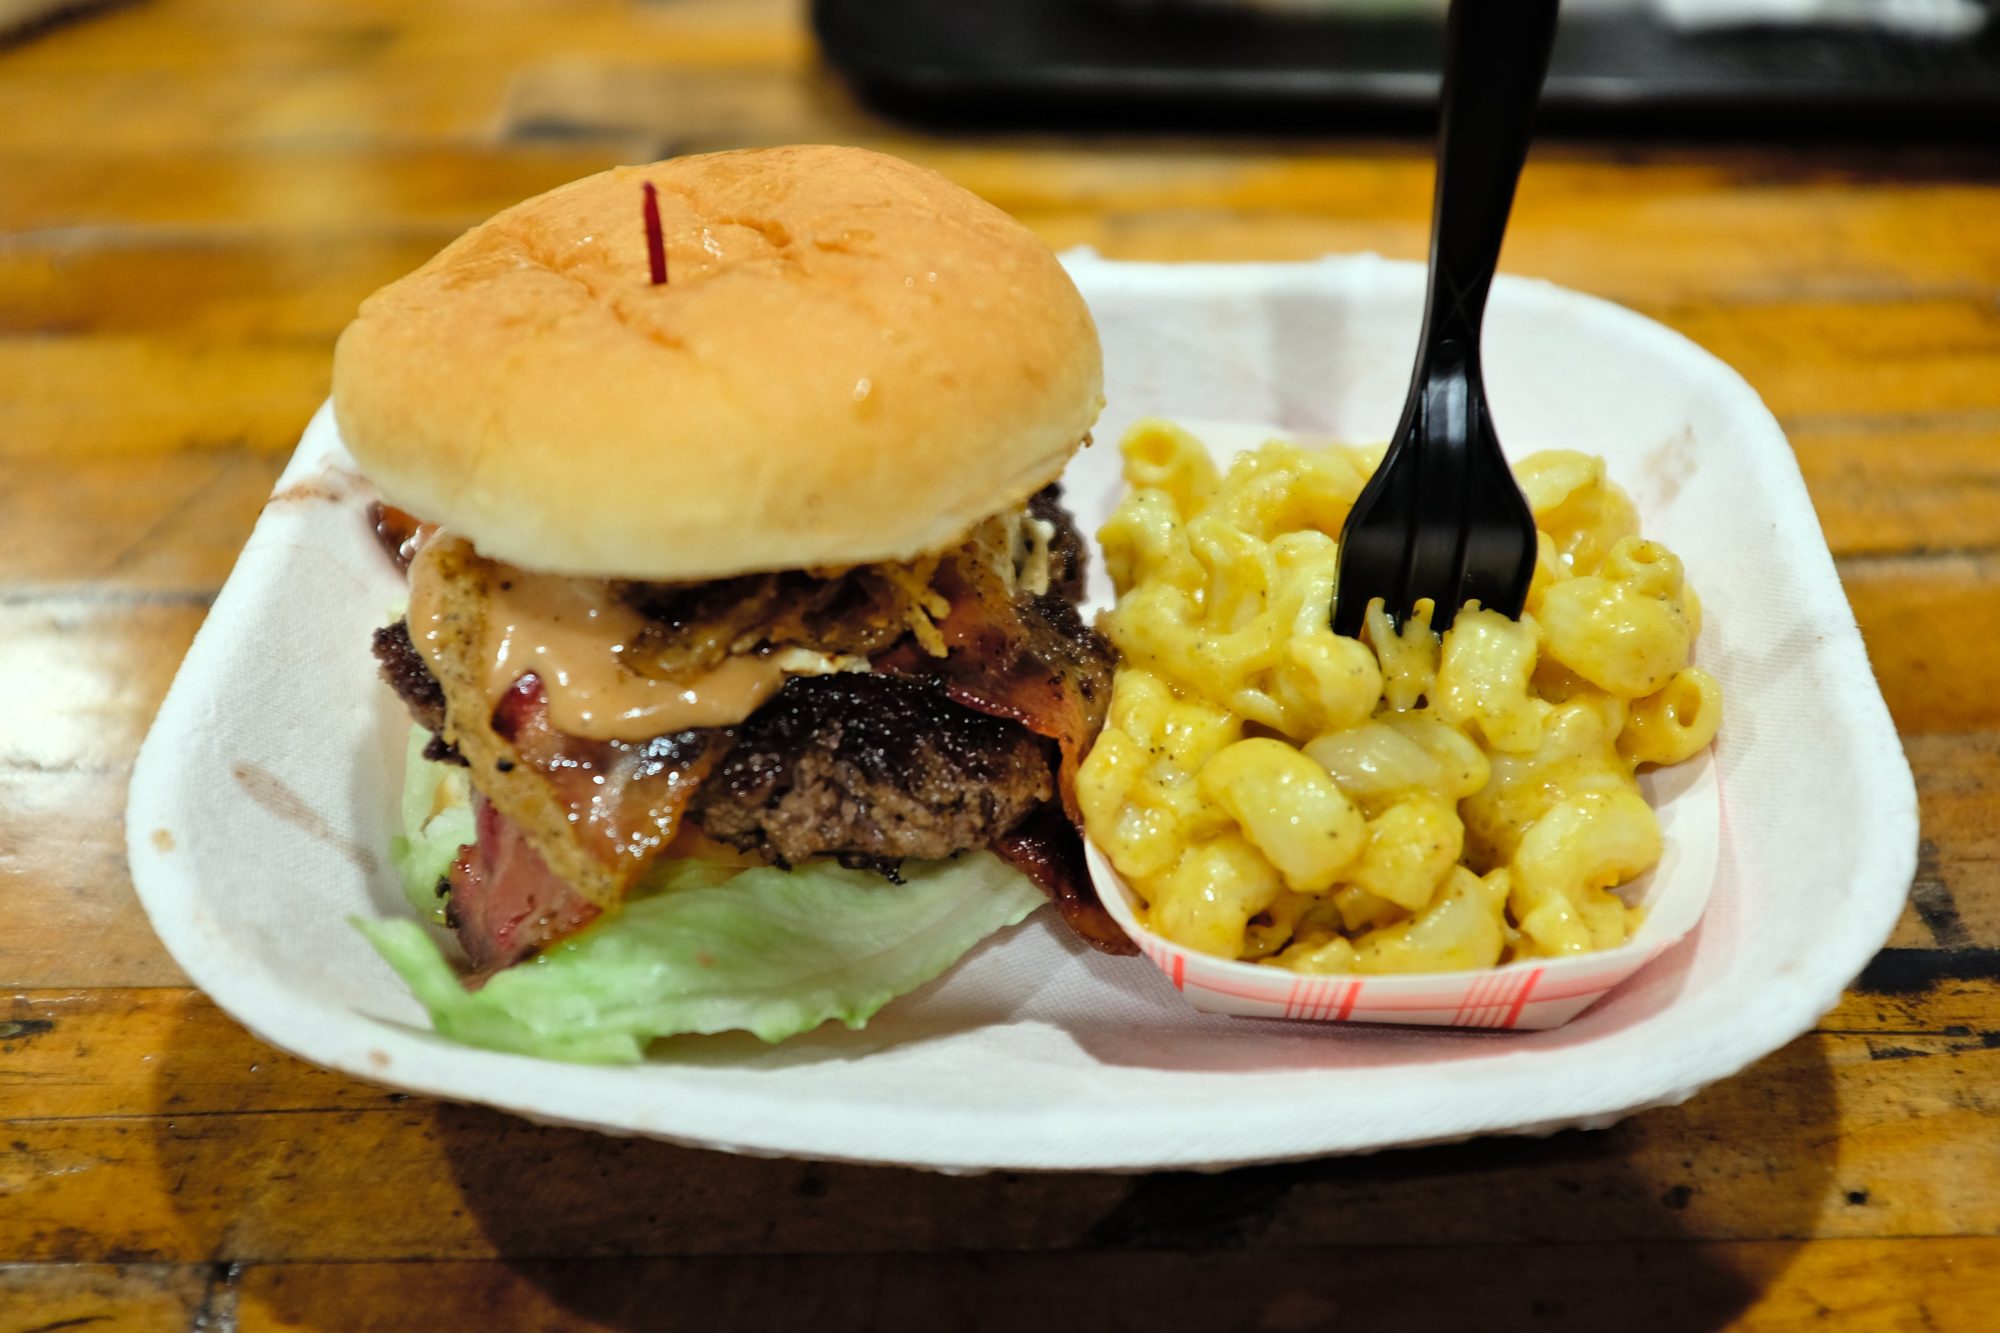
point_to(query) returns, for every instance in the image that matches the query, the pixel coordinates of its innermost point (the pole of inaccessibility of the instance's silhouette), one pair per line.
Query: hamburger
(742, 652)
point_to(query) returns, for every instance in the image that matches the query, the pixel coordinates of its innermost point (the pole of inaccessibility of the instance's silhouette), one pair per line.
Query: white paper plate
(264, 797)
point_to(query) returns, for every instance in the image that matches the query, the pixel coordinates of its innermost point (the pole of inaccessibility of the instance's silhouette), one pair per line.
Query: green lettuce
(705, 948)
(437, 821)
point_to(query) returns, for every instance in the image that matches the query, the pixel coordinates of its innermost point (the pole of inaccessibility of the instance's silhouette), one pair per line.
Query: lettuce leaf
(701, 948)
(437, 821)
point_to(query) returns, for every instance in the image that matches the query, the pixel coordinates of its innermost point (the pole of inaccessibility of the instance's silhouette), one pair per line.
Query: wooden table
(193, 196)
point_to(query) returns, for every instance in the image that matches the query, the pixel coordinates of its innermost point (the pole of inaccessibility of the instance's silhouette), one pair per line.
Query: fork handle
(1495, 54)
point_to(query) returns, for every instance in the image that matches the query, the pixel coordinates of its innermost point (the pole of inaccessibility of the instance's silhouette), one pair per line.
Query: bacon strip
(399, 533)
(1047, 849)
(1035, 662)
(599, 812)
(505, 901)
(625, 804)
(621, 801)
(1031, 660)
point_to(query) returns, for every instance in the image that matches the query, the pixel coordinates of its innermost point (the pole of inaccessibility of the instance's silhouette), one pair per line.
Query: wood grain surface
(194, 194)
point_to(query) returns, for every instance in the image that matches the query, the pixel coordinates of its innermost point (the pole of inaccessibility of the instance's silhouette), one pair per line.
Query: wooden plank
(104, 1298)
(189, 37)
(1770, 1286)
(1827, 359)
(1650, 227)
(1958, 781)
(1879, 491)
(1929, 623)
(166, 525)
(82, 674)
(1815, 233)
(208, 1076)
(446, 74)
(1843, 371)
(387, 191)
(1885, 486)
(1655, 259)
(298, 287)
(1814, 361)
(212, 37)
(686, 110)
(1799, 233)
(1954, 903)
(315, 193)
(159, 1130)
(1882, 486)
(60, 1040)
(62, 869)
(413, 101)
(171, 393)
(1660, 231)
(164, 110)
(1775, 1286)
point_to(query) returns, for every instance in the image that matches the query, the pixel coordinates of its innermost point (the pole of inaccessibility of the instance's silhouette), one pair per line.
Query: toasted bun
(853, 360)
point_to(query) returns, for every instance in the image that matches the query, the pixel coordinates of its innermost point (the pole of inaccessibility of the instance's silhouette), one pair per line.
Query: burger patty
(405, 671)
(871, 769)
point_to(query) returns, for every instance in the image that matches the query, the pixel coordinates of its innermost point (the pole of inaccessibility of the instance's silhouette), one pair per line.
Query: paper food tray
(1529, 995)
(265, 796)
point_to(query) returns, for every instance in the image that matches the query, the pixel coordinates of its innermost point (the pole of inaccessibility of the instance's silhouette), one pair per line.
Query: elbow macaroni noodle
(1407, 801)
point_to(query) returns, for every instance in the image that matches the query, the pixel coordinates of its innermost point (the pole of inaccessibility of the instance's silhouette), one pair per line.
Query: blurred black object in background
(1276, 67)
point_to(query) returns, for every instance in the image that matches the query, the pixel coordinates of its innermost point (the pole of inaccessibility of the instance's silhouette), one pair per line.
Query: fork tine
(1442, 517)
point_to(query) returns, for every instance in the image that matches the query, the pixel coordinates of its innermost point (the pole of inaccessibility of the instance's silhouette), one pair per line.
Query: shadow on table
(1629, 1227)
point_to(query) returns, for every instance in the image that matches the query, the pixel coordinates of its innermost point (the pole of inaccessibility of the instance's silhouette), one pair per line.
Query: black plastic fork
(1442, 518)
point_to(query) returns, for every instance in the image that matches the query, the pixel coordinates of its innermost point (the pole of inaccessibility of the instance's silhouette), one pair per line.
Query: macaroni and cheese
(1407, 801)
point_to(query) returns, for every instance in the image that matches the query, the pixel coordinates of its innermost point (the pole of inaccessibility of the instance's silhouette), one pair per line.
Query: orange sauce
(570, 633)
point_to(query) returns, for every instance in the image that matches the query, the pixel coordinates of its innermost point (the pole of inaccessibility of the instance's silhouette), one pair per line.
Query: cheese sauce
(569, 633)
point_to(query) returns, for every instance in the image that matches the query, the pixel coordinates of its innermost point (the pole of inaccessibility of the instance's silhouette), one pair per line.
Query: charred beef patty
(871, 769)
(405, 671)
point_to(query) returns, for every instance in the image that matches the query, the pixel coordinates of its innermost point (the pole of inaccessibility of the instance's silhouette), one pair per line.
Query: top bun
(853, 360)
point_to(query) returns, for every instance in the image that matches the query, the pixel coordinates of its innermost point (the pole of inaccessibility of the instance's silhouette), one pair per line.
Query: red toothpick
(656, 244)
